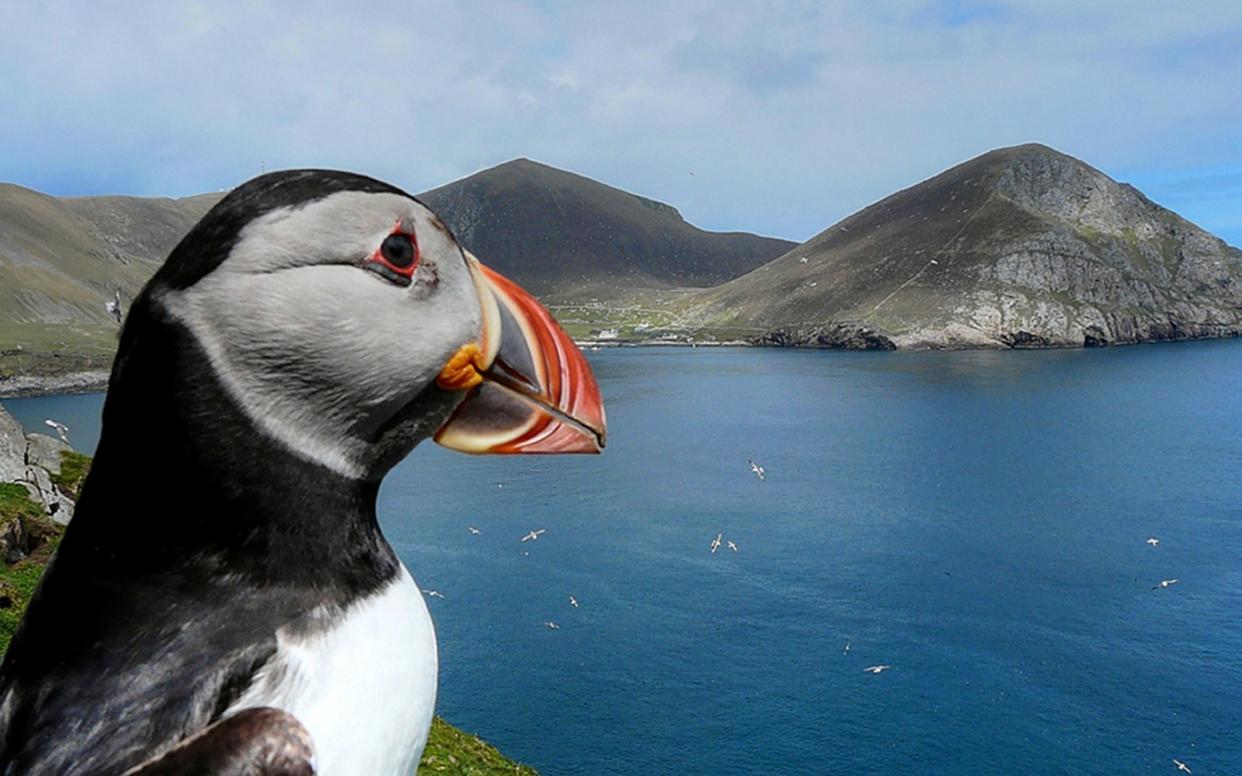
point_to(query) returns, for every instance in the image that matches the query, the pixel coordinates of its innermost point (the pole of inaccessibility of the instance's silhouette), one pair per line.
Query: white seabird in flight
(756, 468)
(1165, 583)
(716, 543)
(552, 626)
(473, 530)
(533, 535)
(61, 429)
(113, 306)
(876, 669)
(1181, 766)
(731, 545)
(573, 602)
(1153, 541)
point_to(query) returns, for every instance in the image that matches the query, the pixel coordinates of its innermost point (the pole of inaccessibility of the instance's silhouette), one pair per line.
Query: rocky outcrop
(837, 336)
(34, 462)
(14, 540)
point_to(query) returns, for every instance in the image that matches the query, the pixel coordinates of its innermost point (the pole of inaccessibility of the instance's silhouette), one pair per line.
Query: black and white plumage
(60, 428)
(292, 355)
(113, 306)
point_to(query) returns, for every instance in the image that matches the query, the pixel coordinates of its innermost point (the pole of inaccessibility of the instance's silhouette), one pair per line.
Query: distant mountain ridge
(1019, 247)
(558, 232)
(62, 259)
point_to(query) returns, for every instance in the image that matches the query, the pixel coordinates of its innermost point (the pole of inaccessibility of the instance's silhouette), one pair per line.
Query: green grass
(73, 469)
(45, 350)
(457, 753)
(449, 751)
(18, 581)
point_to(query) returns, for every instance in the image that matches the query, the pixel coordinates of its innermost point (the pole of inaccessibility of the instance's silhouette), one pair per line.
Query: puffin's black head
(345, 321)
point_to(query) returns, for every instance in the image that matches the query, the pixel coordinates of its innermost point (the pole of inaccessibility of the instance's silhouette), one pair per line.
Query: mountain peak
(1019, 246)
(563, 232)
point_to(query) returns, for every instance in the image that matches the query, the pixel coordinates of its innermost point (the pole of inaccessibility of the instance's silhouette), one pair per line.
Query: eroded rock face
(31, 460)
(14, 543)
(12, 448)
(839, 336)
(44, 451)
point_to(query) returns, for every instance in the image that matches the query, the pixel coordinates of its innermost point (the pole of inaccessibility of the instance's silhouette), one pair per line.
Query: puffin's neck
(183, 482)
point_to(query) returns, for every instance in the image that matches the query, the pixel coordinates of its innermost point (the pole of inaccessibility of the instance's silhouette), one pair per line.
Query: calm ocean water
(975, 520)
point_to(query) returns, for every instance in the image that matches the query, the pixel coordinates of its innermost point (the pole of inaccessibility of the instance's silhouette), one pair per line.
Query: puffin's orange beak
(531, 391)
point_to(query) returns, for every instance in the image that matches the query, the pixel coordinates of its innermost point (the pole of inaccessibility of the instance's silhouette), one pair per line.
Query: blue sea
(977, 521)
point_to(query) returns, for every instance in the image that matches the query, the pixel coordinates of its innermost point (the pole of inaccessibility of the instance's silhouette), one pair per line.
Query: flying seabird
(846, 649)
(716, 543)
(113, 306)
(473, 530)
(552, 626)
(757, 469)
(876, 669)
(1181, 766)
(297, 344)
(802, 260)
(1164, 583)
(534, 535)
(1153, 541)
(573, 602)
(731, 545)
(433, 593)
(61, 429)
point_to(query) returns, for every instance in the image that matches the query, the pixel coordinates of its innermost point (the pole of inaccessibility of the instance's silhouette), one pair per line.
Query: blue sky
(774, 117)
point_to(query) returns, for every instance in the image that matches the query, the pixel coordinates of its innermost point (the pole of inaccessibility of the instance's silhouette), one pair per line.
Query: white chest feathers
(365, 689)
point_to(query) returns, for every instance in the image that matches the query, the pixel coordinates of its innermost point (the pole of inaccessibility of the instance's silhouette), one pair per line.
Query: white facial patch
(318, 351)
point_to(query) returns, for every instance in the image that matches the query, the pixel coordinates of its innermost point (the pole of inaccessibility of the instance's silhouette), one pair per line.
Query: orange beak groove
(530, 389)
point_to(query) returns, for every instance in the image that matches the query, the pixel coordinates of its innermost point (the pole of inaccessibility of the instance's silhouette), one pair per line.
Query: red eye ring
(396, 258)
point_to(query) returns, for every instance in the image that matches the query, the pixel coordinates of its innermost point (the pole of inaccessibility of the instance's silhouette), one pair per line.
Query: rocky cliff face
(35, 462)
(1020, 247)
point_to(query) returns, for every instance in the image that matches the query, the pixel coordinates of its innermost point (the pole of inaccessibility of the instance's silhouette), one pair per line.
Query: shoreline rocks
(34, 462)
(13, 386)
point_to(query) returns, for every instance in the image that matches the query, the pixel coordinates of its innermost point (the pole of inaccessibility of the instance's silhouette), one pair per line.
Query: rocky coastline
(44, 466)
(17, 385)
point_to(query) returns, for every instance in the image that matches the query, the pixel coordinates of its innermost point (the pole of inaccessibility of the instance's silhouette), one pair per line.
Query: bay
(975, 520)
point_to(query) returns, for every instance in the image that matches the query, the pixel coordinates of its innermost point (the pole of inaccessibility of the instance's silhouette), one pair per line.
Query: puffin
(224, 601)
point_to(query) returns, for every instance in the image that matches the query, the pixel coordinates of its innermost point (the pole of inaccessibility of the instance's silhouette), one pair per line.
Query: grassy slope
(449, 751)
(552, 231)
(61, 259)
(18, 581)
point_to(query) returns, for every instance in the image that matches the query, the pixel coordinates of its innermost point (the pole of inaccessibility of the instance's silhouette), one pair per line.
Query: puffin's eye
(398, 250)
(396, 258)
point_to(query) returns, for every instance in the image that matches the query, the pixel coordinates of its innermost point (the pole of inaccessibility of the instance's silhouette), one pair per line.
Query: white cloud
(789, 114)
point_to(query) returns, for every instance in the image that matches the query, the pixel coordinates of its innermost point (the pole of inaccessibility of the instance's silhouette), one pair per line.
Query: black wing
(254, 742)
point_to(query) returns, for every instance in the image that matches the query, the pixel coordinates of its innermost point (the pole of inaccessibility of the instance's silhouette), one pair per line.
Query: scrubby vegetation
(18, 580)
(73, 469)
(457, 753)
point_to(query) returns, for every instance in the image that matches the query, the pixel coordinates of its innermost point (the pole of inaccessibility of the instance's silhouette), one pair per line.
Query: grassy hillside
(62, 259)
(449, 752)
(561, 235)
